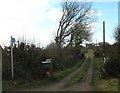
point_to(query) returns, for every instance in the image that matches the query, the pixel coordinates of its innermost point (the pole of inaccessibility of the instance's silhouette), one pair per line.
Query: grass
(109, 84)
(16, 84)
(61, 74)
(78, 77)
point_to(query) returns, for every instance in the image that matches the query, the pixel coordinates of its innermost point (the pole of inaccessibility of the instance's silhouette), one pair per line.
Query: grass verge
(108, 84)
(61, 74)
(16, 84)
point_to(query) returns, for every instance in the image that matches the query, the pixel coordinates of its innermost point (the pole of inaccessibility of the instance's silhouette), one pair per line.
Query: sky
(108, 12)
(37, 20)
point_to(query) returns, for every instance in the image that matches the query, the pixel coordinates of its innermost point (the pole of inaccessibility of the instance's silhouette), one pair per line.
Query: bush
(28, 60)
(112, 68)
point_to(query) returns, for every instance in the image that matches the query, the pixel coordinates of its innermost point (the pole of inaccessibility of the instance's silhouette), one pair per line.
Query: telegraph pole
(119, 14)
(103, 40)
(12, 41)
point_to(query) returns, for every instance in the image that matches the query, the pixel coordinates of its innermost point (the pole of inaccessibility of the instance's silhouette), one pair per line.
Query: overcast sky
(37, 20)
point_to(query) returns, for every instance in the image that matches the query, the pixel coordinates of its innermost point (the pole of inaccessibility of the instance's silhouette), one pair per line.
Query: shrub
(112, 68)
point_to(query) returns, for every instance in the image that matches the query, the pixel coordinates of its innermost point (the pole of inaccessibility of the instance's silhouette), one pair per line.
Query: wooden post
(119, 14)
(12, 68)
(12, 59)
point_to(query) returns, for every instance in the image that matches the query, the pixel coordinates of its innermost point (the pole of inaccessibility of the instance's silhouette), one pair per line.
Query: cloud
(28, 17)
(94, 26)
(54, 15)
(99, 14)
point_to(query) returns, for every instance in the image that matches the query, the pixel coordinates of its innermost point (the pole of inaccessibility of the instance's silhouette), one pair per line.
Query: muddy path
(84, 85)
(56, 86)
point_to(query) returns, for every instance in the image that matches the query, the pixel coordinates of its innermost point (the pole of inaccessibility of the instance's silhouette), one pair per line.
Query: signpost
(12, 70)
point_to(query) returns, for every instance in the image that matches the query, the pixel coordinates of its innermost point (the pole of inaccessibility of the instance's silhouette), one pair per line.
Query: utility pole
(103, 40)
(12, 70)
(119, 14)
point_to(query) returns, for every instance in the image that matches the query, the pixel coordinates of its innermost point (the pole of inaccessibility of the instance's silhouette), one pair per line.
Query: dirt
(84, 85)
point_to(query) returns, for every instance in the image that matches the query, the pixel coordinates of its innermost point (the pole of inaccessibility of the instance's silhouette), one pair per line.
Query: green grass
(109, 84)
(61, 74)
(78, 77)
(15, 84)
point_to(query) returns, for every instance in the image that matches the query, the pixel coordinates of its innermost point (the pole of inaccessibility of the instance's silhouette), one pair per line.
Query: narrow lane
(85, 84)
(56, 86)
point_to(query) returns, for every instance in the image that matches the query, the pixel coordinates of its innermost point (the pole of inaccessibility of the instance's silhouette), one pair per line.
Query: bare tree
(79, 34)
(74, 22)
(117, 35)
